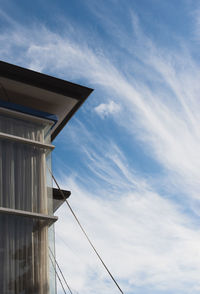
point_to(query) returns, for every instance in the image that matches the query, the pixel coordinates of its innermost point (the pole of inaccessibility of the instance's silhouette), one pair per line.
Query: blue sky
(130, 155)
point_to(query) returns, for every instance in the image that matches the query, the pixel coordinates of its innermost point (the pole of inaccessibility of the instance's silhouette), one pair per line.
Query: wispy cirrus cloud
(148, 233)
(148, 241)
(145, 240)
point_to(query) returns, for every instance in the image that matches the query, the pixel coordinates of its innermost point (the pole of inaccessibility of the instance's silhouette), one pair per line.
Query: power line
(57, 274)
(61, 271)
(84, 232)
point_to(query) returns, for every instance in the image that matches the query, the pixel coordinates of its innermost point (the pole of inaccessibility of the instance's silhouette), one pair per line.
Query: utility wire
(57, 274)
(61, 271)
(84, 232)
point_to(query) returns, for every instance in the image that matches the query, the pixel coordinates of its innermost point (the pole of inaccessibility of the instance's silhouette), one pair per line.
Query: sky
(130, 155)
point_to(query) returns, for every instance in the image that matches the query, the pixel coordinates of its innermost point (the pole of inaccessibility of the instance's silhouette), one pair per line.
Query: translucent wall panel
(49, 183)
(22, 177)
(52, 264)
(23, 256)
(23, 167)
(51, 233)
(24, 245)
(21, 128)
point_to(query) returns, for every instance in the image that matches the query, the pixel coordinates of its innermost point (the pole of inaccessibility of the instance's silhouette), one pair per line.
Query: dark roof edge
(44, 81)
(67, 118)
(58, 195)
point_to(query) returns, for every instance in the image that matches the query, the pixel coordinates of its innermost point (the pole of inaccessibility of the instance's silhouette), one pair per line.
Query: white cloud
(106, 109)
(196, 22)
(146, 239)
(143, 238)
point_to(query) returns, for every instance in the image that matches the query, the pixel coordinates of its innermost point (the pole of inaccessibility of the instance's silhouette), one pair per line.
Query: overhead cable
(60, 271)
(57, 274)
(84, 232)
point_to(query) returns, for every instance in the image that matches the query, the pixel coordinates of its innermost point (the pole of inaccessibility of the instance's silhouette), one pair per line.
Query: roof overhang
(42, 93)
(59, 197)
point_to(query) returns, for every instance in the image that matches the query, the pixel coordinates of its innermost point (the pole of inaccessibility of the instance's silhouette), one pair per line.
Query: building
(33, 109)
